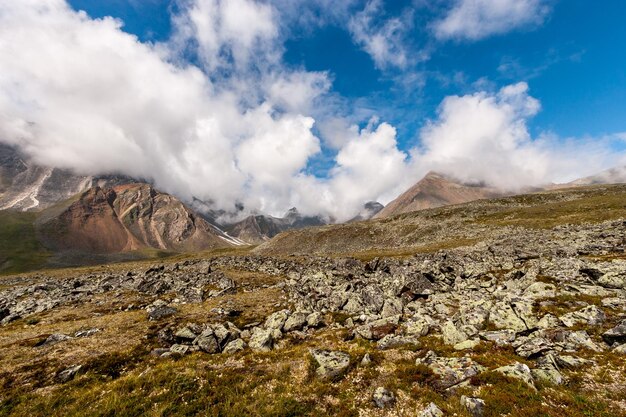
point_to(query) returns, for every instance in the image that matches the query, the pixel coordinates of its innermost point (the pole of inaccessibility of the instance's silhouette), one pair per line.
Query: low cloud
(477, 19)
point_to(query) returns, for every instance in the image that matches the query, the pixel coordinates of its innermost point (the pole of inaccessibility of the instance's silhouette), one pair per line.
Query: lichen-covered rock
(383, 398)
(533, 347)
(394, 341)
(431, 411)
(518, 371)
(296, 321)
(331, 364)
(474, 406)
(277, 320)
(236, 345)
(615, 335)
(591, 315)
(207, 341)
(261, 339)
(451, 371)
(451, 334)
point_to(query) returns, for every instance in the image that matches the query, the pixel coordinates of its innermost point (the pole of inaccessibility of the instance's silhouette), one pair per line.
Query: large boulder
(261, 340)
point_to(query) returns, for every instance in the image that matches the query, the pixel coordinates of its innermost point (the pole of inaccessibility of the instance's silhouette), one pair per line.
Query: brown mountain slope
(436, 190)
(126, 218)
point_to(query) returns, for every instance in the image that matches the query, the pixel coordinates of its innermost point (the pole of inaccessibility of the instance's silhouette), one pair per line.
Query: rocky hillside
(455, 226)
(436, 190)
(528, 318)
(127, 218)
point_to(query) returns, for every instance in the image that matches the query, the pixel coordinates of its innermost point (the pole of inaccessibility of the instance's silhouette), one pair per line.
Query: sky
(317, 104)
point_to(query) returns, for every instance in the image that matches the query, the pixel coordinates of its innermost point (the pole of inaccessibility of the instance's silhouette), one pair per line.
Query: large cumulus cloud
(214, 113)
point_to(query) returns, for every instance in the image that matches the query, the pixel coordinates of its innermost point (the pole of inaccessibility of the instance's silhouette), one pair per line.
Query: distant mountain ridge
(259, 228)
(610, 176)
(436, 190)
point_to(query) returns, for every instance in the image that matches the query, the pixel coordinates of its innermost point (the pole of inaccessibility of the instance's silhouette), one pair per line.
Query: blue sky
(574, 63)
(318, 104)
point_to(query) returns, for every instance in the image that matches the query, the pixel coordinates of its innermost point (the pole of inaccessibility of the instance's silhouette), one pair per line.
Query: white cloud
(228, 33)
(484, 137)
(478, 19)
(80, 93)
(383, 41)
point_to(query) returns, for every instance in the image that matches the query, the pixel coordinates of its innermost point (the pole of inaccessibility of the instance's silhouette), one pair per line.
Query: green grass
(592, 206)
(20, 250)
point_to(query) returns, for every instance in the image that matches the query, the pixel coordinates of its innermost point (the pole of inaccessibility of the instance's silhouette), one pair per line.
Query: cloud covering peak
(214, 113)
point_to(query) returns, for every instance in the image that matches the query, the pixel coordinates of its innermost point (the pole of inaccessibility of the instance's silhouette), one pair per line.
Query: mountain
(259, 228)
(25, 186)
(127, 218)
(610, 176)
(370, 209)
(436, 190)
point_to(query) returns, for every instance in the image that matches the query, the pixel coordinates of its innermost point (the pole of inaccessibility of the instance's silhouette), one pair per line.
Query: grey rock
(590, 315)
(613, 280)
(620, 349)
(261, 340)
(549, 321)
(571, 362)
(451, 334)
(531, 348)
(395, 341)
(518, 371)
(277, 320)
(467, 345)
(314, 319)
(431, 411)
(179, 349)
(548, 375)
(616, 335)
(160, 312)
(55, 338)
(474, 406)
(207, 342)
(296, 321)
(331, 363)
(538, 290)
(383, 398)
(69, 373)
(234, 346)
(392, 307)
(502, 316)
(451, 371)
(500, 337)
(185, 333)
